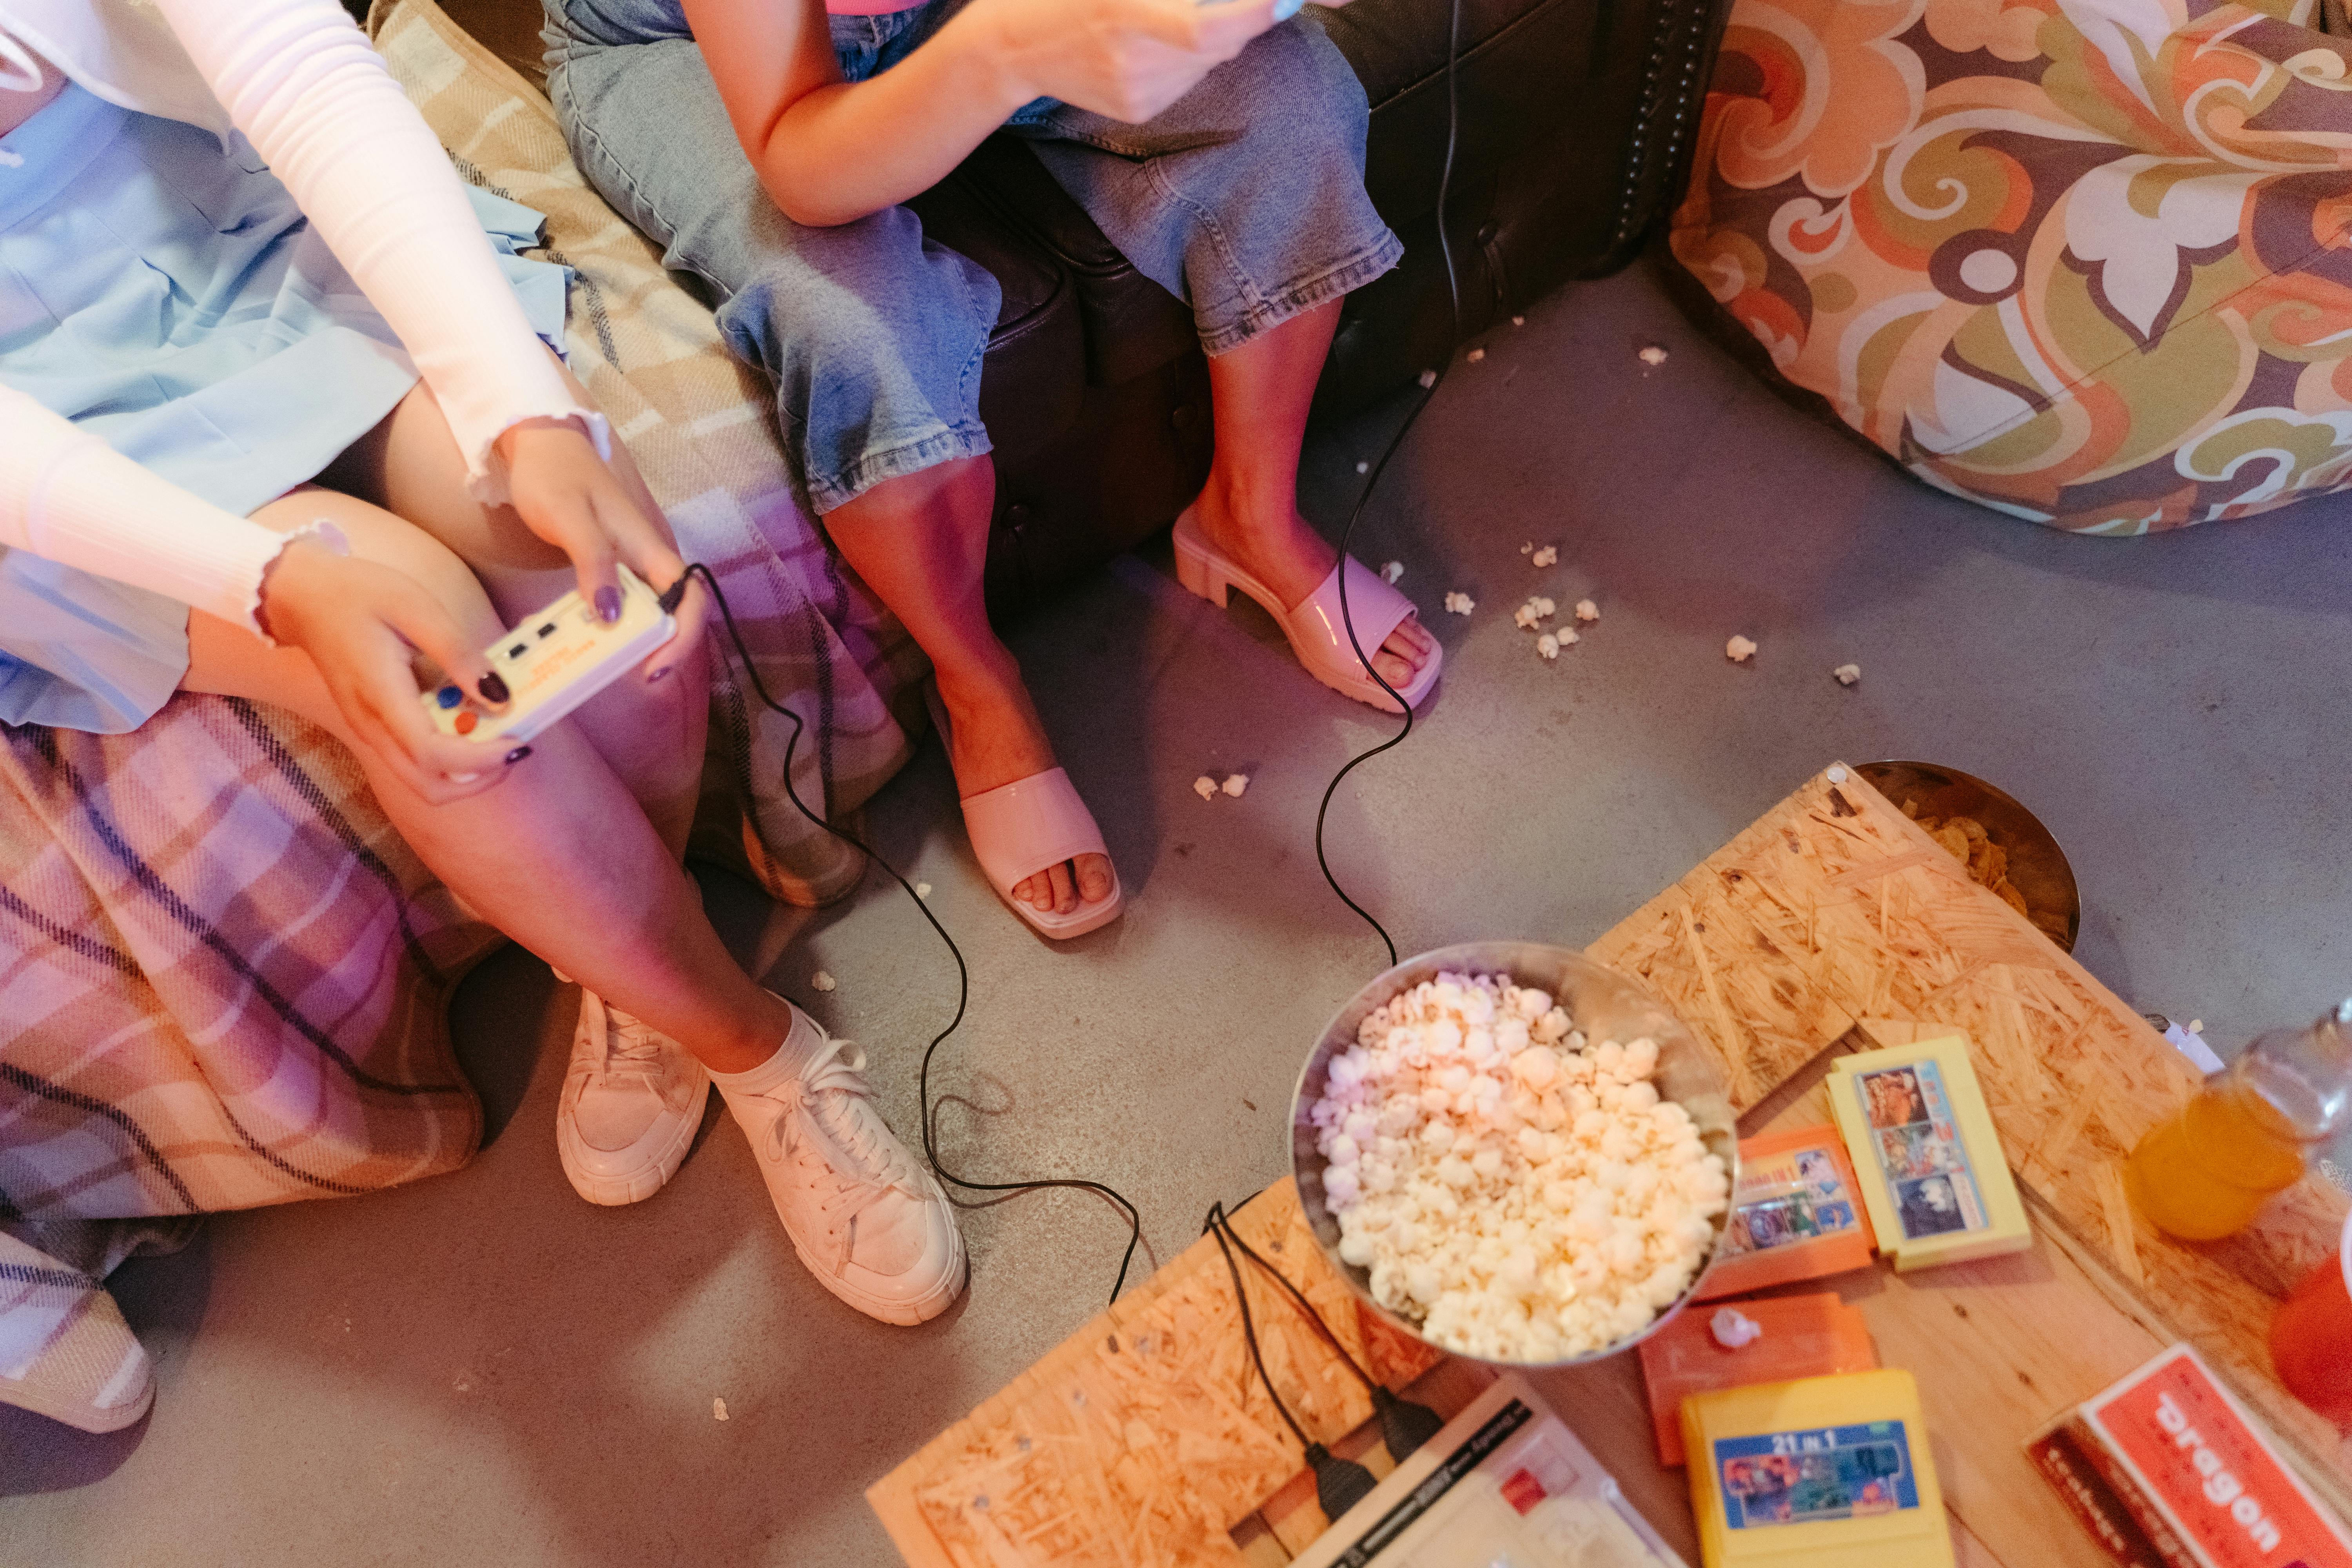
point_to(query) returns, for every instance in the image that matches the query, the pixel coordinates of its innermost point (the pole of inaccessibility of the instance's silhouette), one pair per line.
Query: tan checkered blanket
(223, 976)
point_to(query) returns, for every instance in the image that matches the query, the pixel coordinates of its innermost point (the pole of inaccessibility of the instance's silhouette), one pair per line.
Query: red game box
(2166, 1469)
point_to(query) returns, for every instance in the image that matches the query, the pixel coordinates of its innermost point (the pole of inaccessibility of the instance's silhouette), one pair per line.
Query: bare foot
(996, 738)
(1286, 554)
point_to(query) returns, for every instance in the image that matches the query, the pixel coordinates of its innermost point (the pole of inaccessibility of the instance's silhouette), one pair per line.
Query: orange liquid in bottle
(2205, 1174)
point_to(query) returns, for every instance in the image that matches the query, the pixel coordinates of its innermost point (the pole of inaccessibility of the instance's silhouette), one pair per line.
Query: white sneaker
(865, 1215)
(632, 1100)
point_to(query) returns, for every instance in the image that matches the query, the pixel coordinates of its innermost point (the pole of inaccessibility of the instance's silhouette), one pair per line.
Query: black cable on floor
(669, 601)
(1404, 1425)
(1340, 1484)
(1453, 296)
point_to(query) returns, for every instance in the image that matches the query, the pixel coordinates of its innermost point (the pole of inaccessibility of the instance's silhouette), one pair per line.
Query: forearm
(68, 497)
(841, 152)
(315, 100)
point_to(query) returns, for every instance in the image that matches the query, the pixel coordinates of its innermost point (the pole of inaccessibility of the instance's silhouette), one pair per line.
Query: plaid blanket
(223, 976)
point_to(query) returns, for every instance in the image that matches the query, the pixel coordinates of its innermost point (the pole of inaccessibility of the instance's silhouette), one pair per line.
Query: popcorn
(922, 890)
(1733, 1329)
(1653, 355)
(1205, 788)
(1587, 611)
(1460, 603)
(1428, 379)
(1235, 784)
(1536, 609)
(1363, 467)
(1518, 320)
(1474, 355)
(1549, 555)
(1547, 645)
(1740, 649)
(1847, 674)
(821, 981)
(1520, 1191)
(1392, 572)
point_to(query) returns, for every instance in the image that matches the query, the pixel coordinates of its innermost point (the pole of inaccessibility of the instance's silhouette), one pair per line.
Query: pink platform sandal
(1317, 633)
(1029, 825)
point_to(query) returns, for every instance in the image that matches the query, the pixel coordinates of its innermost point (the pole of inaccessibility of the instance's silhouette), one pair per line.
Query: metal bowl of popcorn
(1495, 1168)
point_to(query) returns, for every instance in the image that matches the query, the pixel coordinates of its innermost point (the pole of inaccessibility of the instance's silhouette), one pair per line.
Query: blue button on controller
(449, 697)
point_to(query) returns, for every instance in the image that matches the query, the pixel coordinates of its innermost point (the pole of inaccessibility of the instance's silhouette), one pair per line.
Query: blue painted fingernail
(518, 754)
(1283, 10)
(608, 602)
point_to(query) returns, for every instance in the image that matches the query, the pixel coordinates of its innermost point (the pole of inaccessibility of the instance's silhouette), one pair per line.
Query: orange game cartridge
(1798, 1214)
(1770, 1340)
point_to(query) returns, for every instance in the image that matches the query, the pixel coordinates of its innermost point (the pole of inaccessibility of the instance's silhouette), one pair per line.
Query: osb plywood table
(1833, 924)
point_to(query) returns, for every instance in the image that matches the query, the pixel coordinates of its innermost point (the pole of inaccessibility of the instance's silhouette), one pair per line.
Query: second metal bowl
(2037, 869)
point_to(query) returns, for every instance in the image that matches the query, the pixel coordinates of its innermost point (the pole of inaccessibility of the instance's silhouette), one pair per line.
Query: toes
(1094, 877)
(1410, 642)
(1036, 892)
(1393, 670)
(1065, 892)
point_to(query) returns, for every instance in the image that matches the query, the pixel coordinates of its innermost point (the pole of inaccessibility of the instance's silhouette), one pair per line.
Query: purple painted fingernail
(661, 674)
(518, 754)
(608, 602)
(493, 687)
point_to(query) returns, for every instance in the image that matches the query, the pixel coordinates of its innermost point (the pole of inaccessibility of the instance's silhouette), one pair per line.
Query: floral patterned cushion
(2083, 261)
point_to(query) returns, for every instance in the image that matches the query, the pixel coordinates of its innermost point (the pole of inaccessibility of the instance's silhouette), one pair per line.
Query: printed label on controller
(1918, 1146)
(1795, 1196)
(1816, 1475)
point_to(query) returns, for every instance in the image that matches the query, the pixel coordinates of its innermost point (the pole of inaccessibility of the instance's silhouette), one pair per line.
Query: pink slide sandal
(1022, 829)
(1317, 633)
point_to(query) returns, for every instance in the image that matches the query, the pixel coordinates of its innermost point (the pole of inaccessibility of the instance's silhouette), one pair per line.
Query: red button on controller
(467, 721)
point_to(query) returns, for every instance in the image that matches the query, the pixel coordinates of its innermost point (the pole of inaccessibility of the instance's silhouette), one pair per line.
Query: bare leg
(559, 839)
(648, 726)
(920, 542)
(1249, 508)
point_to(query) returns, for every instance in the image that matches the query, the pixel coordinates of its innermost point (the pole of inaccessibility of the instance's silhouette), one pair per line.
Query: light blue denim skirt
(171, 299)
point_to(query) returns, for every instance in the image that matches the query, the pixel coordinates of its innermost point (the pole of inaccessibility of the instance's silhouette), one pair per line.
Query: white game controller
(553, 662)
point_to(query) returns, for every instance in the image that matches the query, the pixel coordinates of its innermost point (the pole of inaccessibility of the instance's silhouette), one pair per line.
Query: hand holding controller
(553, 662)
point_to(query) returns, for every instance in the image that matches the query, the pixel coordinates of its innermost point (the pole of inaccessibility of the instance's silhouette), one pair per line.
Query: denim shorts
(1244, 198)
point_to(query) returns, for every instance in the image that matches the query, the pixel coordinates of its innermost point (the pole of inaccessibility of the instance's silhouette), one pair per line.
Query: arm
(67, 496)
(830, 151)
(70, 497)
(315, 100)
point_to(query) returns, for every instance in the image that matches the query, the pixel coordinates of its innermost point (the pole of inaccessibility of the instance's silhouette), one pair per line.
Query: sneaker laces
(632, 1045)
(864, 1161)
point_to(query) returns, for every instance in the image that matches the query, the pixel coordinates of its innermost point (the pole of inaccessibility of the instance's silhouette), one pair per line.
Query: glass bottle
(2206, 1173)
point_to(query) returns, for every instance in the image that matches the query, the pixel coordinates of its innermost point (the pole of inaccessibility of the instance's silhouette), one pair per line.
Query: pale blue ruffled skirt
(171, 299)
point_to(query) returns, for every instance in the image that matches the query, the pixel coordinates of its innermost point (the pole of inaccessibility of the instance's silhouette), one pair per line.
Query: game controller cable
(669, 601)
(676, 592)
(1372, 481)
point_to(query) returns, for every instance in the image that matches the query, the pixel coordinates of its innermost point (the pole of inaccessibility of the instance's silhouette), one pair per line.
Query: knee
(832, 308)
(442, 572)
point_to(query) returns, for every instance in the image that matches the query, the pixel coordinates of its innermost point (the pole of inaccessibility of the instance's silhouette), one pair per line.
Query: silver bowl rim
(2065, 863)
(1481, 957)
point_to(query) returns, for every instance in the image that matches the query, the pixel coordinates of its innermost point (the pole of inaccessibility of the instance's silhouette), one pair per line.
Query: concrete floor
(483, 1369)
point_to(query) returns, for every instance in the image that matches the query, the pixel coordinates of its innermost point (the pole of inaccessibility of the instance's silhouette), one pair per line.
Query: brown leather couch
(1574, 128)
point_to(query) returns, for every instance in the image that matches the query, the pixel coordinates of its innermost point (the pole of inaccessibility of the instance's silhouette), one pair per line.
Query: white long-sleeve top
(302, 82)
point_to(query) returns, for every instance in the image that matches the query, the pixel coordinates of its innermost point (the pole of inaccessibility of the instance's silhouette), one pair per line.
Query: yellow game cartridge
(1930, 1164)
(1824, 1472)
